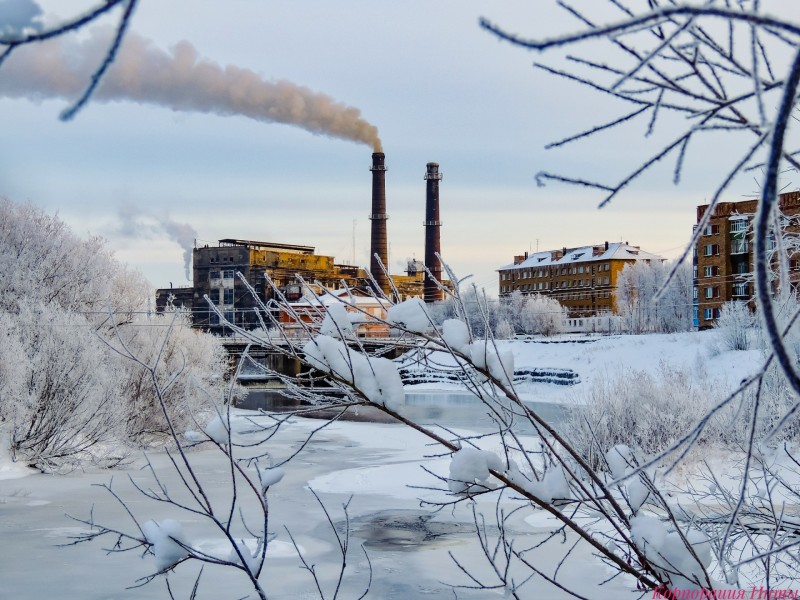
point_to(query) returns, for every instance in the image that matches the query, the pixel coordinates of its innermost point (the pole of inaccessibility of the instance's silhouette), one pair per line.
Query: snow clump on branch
(499, 363)
(455, 333)
(269, 476)
(411, 315)
(376, 378)
(338, 322)
(167, 542)
(469, 467)
(669, 554)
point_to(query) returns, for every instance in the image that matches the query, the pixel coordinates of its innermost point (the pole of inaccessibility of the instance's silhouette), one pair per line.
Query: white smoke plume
(139, 225)
(180, 80)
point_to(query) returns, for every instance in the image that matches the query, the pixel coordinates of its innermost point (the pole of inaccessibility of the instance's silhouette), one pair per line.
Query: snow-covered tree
(65, 303)
(640, 305)
(60, 403)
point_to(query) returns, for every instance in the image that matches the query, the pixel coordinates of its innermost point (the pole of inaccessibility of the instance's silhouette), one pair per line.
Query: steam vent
(430, 290)
(378, 243)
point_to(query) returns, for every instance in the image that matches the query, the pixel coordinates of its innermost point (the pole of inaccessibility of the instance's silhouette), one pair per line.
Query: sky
(154, 178)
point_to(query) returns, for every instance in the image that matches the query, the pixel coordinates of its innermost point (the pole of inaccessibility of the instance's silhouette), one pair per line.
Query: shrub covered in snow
(734, 324)
(648, 411)
(67, 396)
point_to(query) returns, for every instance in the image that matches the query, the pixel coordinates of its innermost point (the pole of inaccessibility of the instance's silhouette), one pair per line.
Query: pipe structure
(430, 291)
(378, 241)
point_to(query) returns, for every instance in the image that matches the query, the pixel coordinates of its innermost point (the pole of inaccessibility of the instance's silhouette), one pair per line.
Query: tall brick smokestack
(430, 291)
(378, 242)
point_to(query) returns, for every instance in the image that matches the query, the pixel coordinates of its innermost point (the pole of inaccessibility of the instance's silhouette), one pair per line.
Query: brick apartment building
(582, 279)
(724, 254)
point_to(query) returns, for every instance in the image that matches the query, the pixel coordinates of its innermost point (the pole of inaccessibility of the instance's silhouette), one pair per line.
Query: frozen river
(456, 409)
(379, 464)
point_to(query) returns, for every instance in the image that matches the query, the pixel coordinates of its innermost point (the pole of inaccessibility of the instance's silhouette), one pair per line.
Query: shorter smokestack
(430, 290)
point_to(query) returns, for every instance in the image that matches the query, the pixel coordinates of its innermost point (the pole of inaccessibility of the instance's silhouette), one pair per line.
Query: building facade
(582, 279)
(215, 277)
(724, 254)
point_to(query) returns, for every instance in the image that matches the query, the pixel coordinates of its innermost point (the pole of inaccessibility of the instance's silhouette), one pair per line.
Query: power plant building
(215, 268)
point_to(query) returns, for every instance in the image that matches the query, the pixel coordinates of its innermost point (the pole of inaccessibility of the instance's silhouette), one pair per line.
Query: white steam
(180, 80)
(139, 225)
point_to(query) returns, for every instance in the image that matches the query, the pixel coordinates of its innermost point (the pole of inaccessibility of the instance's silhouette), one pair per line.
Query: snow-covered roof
(615, 251)
(337, 296)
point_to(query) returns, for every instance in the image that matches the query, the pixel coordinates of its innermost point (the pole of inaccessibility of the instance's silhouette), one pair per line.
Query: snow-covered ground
(595, 357)
(382, 466)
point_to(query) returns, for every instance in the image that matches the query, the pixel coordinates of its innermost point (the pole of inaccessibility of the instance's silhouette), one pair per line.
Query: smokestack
(430, 291)
(378, 242)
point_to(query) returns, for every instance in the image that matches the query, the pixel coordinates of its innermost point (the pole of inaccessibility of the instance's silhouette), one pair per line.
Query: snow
(166, 538)
(456, 334)
(582, 254)
(269, 476)
(10, 469)
(470, 466)
(552, 486)
(338, 322)
(217, 430)
(668, 553)
(377, 378)
(193, 436)
(250, 561)
(596, 358)
(620, 460)
(638, 492)
(411, 315)
(382, 466)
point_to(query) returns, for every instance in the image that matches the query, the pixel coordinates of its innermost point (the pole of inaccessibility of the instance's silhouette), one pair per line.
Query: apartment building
(582, 279)
(724, 254)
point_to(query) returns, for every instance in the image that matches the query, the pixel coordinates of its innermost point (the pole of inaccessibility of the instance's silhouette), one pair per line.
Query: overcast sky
(436, 86)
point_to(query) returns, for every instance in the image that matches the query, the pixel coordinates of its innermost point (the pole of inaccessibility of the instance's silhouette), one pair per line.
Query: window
(711, 250)
(229, 296)
(740, 289)
(712, 292)
(605, 281)
(580, 269)
(229, 316)
(708, 314)
(502, 276)
(738, 246)
(214, 319)
(711, 230)
(738, 226)
(694, 293)
(213, 274)
(710, 271)
(227, 274)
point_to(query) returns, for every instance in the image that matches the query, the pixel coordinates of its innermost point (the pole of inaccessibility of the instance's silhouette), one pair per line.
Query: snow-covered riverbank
(382, 466)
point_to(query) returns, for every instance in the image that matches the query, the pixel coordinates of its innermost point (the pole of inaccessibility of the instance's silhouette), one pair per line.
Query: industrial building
(215, 266)
(724, 259)
(582, 279)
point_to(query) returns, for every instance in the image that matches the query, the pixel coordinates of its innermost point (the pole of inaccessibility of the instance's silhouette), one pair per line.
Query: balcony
(739, 246)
